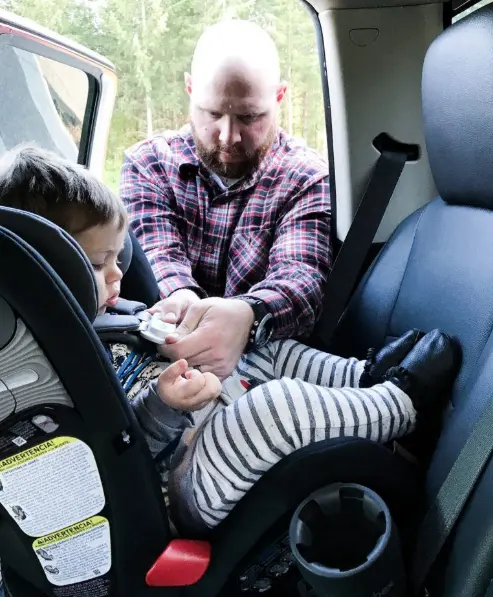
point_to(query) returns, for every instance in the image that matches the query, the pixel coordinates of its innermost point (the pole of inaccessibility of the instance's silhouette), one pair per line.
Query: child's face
(102, 244)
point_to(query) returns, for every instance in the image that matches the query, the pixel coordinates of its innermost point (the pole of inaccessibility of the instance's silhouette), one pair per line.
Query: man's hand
(212, 335)
(174, 308)
(187, 390)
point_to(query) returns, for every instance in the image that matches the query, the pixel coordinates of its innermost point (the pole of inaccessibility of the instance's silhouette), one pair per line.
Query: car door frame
(28, 36)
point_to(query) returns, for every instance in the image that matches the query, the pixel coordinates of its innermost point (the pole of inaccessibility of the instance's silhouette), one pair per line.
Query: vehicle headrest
(60, 250)
(457, 110)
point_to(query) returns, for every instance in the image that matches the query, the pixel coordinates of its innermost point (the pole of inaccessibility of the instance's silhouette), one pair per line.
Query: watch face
(264, 331)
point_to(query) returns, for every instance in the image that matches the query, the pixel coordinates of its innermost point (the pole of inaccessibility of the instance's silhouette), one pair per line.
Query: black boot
(378, 363)
(428, 371)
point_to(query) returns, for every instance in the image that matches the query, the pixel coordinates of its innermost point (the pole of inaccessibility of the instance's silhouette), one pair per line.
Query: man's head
(38, 181)
(235, 91)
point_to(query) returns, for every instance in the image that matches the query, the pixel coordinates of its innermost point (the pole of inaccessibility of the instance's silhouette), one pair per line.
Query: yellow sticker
(77, 553)
(72, 531)
(34, 452)
(51, 486)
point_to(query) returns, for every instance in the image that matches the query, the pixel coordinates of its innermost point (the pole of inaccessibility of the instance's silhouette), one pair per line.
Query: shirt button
(209, 249)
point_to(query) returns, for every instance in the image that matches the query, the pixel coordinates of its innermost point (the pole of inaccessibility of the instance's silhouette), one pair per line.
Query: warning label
(51, 486)
(76, 554)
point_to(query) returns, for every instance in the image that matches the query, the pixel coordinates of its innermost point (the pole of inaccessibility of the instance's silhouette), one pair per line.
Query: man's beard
(250, 161)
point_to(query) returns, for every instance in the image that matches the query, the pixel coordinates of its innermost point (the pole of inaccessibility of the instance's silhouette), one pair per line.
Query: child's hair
(39, 181)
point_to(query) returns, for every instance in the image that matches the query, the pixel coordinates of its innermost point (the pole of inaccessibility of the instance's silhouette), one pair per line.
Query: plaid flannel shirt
(267, 236)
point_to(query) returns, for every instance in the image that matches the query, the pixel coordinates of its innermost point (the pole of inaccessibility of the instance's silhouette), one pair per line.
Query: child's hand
(187, 390)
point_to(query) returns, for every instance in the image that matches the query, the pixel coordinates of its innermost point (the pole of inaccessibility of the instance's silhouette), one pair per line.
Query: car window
(41, 101)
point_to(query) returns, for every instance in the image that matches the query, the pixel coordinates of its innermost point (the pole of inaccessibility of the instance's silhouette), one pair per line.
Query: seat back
(437, 271)
(139, 283)
(81, 507)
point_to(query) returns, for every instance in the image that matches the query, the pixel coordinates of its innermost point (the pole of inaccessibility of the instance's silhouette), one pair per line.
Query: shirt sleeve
(299, 263)
(160, 423)
(154, 218)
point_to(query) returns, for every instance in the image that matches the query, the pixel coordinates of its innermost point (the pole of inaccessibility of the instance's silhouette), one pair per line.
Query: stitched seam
(405, 268)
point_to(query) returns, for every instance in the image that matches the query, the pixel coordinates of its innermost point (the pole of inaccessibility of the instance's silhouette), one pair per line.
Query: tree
(72, 18)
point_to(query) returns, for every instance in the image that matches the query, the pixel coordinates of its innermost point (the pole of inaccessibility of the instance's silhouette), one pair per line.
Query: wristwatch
(263, 324)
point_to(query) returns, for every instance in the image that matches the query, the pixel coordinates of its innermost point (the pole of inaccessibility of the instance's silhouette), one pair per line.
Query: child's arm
(163, 408)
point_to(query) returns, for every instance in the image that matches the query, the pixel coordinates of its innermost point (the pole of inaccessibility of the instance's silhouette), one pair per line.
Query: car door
(53, 92)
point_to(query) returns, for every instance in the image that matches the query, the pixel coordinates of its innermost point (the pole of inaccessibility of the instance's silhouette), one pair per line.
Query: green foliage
(151, 44)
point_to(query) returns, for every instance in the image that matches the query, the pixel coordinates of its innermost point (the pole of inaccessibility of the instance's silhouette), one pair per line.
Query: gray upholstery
(437, 271)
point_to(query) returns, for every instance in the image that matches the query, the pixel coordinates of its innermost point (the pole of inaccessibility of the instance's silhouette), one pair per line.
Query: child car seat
(139, 283)
(53, 366)
(87, 479)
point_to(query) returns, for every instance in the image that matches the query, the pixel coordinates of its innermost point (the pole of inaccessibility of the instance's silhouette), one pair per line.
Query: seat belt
(352, 254)
(442, 515)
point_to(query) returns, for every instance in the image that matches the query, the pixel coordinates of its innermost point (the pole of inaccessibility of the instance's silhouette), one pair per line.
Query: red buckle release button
(181, 564)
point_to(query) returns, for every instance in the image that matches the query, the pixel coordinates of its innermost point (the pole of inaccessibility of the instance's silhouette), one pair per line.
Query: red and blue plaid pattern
(267, 236)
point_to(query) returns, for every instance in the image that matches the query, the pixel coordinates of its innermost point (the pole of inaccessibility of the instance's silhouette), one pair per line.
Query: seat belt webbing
(349, 261)
(452, 496)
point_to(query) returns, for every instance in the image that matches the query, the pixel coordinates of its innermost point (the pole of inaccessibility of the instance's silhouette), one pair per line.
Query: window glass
(41, 101)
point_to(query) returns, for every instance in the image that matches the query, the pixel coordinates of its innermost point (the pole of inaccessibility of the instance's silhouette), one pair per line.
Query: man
(231, 207)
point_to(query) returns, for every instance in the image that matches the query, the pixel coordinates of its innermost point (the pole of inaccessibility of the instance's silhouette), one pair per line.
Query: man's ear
(281, 91)
(188, 83)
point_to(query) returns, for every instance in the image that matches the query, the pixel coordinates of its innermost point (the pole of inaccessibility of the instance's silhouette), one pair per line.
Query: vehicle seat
(437, 271)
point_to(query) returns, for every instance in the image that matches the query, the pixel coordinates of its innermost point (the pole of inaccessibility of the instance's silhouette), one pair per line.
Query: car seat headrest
(457, 110)
(60, 250)
(125, 256)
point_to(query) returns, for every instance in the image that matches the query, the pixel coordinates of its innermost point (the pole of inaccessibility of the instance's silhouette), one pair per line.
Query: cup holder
(345, 543)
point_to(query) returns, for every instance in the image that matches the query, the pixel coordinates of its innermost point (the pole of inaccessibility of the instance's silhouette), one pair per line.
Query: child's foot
(391, 355)
(428, 369)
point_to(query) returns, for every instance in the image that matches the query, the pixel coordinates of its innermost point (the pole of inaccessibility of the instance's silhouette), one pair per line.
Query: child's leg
(288, 358)
(243, 441)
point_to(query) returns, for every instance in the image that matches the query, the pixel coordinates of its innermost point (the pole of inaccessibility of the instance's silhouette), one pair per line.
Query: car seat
(138, 283)
(437, 271)
(52, 364)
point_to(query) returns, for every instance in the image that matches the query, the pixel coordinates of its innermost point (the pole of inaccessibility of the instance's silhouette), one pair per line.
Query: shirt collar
(189, 161)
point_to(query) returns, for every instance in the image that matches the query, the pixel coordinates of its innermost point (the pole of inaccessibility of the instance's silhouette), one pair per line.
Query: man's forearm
(299, 263)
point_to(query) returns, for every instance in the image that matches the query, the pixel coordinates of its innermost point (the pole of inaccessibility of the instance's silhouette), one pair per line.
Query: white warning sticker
(51, 486)
(76, 554)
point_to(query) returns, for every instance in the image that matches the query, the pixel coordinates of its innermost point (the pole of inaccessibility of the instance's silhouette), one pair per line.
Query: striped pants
(300, 396)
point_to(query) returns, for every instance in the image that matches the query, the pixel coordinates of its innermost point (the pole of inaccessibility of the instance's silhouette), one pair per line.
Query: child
(299, 395)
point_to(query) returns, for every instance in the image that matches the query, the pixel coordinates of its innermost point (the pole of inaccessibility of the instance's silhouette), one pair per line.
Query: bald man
(232, 213)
